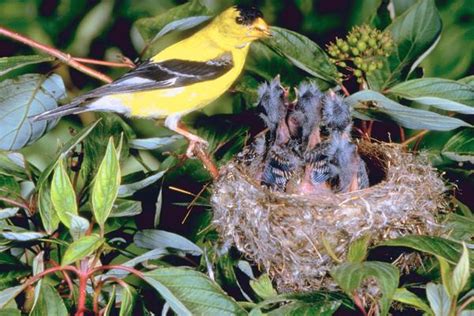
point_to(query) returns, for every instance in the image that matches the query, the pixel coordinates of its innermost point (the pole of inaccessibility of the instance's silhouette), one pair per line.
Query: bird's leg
(172, 122)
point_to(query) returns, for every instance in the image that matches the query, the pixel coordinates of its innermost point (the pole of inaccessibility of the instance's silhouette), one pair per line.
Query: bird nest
(294, 237)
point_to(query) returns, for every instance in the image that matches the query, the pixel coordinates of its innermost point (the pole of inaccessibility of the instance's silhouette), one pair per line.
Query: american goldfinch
(182, 78)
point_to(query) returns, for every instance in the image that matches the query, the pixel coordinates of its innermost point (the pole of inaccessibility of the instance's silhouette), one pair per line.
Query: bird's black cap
(247, 15)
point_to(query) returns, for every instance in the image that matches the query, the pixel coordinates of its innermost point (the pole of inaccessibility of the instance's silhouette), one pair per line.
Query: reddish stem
(66, 58)
(103, 63)
(402, 134)
(344, 90)
(66, 278)
(51, 270)
(359, 304)
(207, 162)
(118, 267)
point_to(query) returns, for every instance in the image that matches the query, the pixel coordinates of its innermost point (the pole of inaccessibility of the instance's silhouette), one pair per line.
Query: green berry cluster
(362, 51)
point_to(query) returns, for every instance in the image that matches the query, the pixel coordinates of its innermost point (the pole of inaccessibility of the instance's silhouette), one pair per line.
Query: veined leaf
(415, 33)
(404, 296)
(154, 142)
(460, 147)
(106, 185)
(438, 298)
(22, 236)
(189, 292)
(22, 98)
(7, 259)
(129, 189)
(405, 116)
(150, 255)
(154, 239)
(461, 272)
(79, 226)
(129, 296)
(303, 308)
(263, 287)
(7, 295)
(49, 302)
(13, 164)
(358, 249)
(437, 246)
(68, 146)
(349, 277)
(49, 217)
(81, 248)
(63, 196)
(8, 64)
(125, 208)
(8, 212)
(303, 53)
(150, 27)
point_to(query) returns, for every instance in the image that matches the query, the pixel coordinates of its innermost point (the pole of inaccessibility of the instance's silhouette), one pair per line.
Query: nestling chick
(273, 98)
(309, 102)
(280, 161)
(336, 114)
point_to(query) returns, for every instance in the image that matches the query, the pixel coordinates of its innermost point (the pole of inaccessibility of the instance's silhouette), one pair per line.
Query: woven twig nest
(289, 234)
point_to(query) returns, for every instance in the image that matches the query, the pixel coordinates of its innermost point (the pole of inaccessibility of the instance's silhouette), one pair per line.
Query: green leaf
(7, 259)
(263, 287)
(81, 248)
(10, 276)
(10, 312)
(8, 64)
(110, 303)
(68, 146)
(437, 246)
(154, 142)
(444, 94)
(129, 296)
(302, 308)
(129, 189)
(8, 212)
(181, 25)
(63, 196)
(403, 115)
(49, 302)
(469, 80)
(126, 208)
(460, 147)
(21, 98)
(79, 227)
(7, 295)
(404, 296)
(446, 276)
(303, 53)
(438, 298)
(189, 292)
(22, 236)
(149, 255)
(358, 249)
(150, 27)
(49, 217)
(160, 239)
(106, 185)
(415, 33)
(461, 272)
(349, 277)
(13, 164)
(9, 187)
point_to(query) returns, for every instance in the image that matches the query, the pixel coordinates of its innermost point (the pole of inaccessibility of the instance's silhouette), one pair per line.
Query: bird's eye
(239, 20)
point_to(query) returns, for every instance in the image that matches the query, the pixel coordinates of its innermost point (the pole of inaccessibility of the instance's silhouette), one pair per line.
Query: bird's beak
(262, 26)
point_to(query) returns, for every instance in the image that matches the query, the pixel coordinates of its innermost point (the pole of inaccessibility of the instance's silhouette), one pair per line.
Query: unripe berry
(372, 42)
(372, 66)
(355, 51)
(361, 46)
(357, 73)
(357, 61)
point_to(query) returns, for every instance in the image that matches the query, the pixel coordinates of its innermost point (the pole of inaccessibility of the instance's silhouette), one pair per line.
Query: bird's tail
(71, 108)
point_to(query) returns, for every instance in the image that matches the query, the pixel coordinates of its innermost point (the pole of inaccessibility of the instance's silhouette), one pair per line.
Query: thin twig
(207, 162)
(415, 137)
(118, 267)
(66, 58)
(104, 63)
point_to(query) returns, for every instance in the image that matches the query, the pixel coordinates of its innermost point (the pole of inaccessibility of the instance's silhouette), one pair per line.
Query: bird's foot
(195, 143)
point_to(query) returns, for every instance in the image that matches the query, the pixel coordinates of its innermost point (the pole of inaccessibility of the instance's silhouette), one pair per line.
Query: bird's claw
(195, 143)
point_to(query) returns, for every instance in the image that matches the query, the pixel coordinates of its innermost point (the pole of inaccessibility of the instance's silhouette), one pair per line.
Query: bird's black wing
(170, 73)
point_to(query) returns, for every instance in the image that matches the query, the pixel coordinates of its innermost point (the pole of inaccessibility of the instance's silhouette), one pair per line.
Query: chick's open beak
(262, 26)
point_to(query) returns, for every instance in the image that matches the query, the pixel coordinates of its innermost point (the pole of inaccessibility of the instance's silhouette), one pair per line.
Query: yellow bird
(182, 78)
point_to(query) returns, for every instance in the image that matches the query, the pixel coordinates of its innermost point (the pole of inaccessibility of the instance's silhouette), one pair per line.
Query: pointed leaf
(154, 143)
(303, 53)
(49, 217)
(437, 246)
(8, 212)
(404, 296)
(150, 255)
(129, 189)
(189, 292)
(7, 295)
(349, 277)
(81, 248)
(438, 298)
(63, 196)
(160, 239)
(129, 296)
(126, 208)
(49, 302)
(460, 147)
(461, 272)
(263, 287)
(22, 236)
(106, 185)
(79, 226)
(8, 64)
(405, 116)
(22, 98)
(358, 249)
(13, 164)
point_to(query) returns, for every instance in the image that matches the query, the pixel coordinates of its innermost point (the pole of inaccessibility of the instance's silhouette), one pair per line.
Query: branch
(415, 137)
(207, 162)
(66, 58)
(118, 267)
